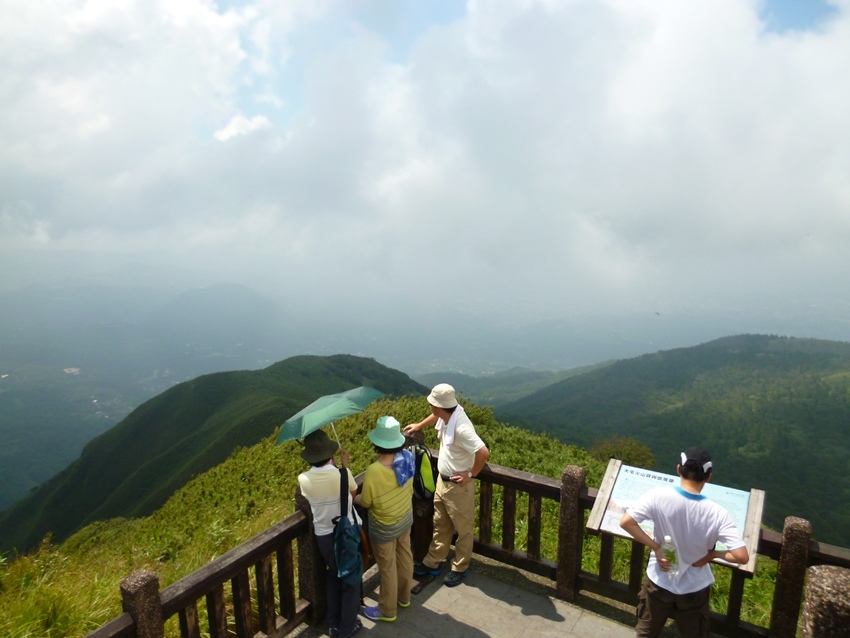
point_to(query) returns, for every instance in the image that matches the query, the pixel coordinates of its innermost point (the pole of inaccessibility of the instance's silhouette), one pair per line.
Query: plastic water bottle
(669, 551)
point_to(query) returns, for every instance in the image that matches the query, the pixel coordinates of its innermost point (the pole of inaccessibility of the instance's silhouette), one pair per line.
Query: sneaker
(421, 569)
(403, 605)
(454, 578)
(373, 613)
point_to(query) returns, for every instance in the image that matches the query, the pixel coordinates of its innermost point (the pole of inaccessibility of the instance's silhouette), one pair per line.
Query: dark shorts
(655, 605)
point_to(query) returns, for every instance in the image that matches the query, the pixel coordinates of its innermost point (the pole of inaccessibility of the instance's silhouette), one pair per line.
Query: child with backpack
(320, 485)
(387, 494)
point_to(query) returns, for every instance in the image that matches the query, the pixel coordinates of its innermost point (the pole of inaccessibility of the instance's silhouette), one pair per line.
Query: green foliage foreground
(73, 588)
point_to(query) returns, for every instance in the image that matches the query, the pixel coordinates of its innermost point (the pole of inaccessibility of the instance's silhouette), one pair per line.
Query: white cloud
(241, 125)
(537, 154)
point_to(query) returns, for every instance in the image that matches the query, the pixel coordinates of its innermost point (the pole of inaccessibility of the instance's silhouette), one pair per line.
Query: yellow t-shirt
(390, 505)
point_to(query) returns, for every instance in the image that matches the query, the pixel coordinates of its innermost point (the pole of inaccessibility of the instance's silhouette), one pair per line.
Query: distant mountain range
(774, 412)
(132, 469)
(502, 387)
(78, 356)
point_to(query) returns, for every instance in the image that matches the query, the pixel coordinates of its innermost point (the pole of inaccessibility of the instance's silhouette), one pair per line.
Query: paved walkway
(493, 601)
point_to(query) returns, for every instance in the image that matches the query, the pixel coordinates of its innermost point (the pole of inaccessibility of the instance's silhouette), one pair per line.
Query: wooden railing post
(826, 613)
(140, 599)
(790, 577)
(570, 533)
(312, 583)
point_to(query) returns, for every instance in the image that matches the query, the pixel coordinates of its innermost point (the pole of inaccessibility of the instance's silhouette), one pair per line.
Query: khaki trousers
(454, 511)
(395, 565)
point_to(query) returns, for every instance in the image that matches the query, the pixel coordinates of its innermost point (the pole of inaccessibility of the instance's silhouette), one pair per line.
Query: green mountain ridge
(773, 411)
(133, 468)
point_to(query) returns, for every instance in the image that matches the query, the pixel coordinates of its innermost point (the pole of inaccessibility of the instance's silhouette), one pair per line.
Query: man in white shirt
(462, 455)
(695, 524)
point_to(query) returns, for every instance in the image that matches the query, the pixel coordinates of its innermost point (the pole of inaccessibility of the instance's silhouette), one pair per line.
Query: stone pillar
(790, 577)
(570, 533)
(312, 585)
(826, 613)
(140, 599)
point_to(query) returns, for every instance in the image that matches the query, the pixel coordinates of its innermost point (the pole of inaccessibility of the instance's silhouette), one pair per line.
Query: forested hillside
(774, 412)
(502, 387)
(132, 469)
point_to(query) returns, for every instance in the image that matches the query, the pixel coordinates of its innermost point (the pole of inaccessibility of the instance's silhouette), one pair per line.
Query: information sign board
(624, 484)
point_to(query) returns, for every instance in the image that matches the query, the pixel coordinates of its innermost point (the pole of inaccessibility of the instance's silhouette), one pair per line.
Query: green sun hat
(387, 433)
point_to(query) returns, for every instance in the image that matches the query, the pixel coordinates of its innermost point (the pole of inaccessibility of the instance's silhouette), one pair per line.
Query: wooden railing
(793, 548)
(266, 565)
(269, 555)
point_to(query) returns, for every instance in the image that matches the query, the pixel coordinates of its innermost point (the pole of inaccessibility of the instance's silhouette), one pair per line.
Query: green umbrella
(327, 409)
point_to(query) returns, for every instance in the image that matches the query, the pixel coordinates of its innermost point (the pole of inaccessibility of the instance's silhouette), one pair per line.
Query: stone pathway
(491, 602)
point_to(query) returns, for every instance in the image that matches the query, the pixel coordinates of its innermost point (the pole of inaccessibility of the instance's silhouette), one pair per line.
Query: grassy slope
(133, 468)
(70, 589)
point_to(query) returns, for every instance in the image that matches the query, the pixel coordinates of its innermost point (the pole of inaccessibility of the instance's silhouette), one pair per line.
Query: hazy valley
(79, 360)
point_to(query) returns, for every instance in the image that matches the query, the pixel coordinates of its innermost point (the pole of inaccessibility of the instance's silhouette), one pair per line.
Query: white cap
(442, 396)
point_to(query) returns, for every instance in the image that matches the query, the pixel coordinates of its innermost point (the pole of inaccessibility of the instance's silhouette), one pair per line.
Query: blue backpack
(349, 559)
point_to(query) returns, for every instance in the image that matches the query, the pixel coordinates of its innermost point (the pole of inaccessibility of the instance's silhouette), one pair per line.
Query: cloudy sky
(520, 158)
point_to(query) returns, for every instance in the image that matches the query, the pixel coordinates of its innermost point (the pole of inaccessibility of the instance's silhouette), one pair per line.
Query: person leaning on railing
(695, 524)
(462, 455)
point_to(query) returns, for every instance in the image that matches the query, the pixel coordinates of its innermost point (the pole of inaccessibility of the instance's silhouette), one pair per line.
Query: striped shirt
(390, 505)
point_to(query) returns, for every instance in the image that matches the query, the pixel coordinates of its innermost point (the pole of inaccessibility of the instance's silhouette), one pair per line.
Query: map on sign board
(632, 482)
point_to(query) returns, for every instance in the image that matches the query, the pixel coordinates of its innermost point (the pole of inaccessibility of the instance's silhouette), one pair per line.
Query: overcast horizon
(380, 161)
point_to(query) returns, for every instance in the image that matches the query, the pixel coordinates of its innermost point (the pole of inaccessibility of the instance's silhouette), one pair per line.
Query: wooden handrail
(770, 545)
(121, 627)
(199, 583)
(258, 555)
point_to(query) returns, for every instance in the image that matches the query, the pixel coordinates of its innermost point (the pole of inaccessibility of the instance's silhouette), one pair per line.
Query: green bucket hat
(387, 433)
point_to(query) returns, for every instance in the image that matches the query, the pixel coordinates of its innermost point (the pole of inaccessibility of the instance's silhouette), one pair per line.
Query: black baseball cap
(697, 457)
